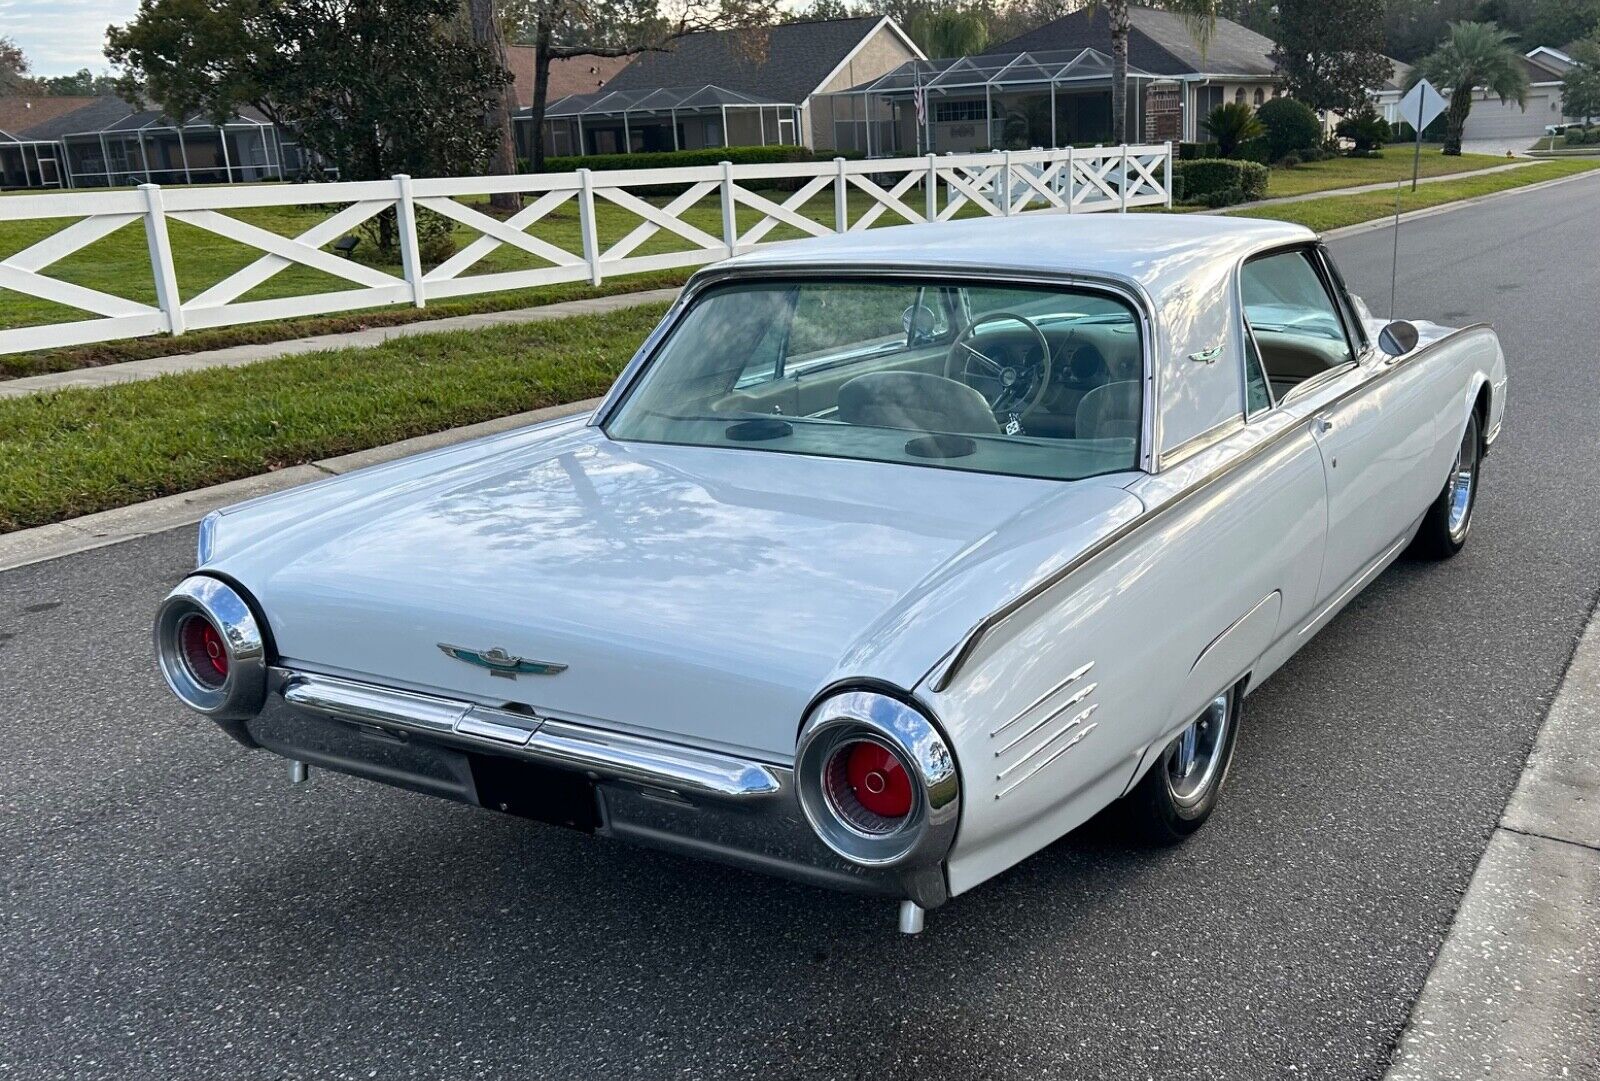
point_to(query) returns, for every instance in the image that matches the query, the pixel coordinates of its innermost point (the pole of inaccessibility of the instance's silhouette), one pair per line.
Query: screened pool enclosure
(668, 118)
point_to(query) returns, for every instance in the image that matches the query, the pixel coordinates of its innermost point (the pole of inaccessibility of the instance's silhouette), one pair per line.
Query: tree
(949, 31)
(1474, 56)
(1580, 92)
(1201, 15)
(1559, 22)
(1290, 125)
(1231, 126)
(1414, 28)
(369, 87)
(560, 29)
(14, 67)
(81, 83)
(490, 36)
(1330, 55)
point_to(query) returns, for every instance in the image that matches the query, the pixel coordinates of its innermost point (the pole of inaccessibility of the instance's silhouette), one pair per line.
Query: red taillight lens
(877, 779)
(204, 652)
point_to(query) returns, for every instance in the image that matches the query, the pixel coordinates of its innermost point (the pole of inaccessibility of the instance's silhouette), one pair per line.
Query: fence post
(161, 268)
(586, 226)
(931, 196)
(1005, 186)
(1072, 178)
(1122, 188)
(841, 198)
(730, 216)
(405, 211)
(1166, 176)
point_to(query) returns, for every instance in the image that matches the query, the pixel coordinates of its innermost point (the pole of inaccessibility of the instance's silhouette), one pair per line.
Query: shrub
(436, 239)
(1225, 197)
(1257, 150)
(1291, 126)
(1232, 125)
(1195, 151)
(1196, 181)
(1290, 160)
(1577, 136)
(1364, 128)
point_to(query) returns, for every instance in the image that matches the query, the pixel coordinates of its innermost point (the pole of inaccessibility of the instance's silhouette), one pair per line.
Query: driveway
(173, 908)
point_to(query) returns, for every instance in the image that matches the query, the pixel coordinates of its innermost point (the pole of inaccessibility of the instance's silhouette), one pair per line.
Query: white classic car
(890, 558)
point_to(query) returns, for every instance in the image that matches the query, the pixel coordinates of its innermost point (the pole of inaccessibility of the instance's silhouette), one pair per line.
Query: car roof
(1158, 251)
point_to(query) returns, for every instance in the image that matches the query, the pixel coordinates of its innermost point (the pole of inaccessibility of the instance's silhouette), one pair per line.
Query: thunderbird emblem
(500, 663)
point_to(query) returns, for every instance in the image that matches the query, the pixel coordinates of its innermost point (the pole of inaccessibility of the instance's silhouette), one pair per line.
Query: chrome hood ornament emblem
(500, 663)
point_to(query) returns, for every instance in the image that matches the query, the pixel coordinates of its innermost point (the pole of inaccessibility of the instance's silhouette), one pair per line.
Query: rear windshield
(1025, 380)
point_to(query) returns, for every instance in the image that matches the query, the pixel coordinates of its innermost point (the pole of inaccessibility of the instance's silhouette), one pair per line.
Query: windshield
(1023, 380)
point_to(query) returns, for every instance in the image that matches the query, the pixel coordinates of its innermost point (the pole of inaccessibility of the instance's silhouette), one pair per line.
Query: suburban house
(97, 142)
(1494, 120)
(1183, 82)
(732, 88)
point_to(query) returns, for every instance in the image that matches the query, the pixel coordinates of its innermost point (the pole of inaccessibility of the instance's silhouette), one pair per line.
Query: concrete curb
(1515, 990)
(237, 356)
(36, 545)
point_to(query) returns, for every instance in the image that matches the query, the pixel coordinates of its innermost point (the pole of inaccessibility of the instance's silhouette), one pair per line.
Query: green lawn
(1393, 163)
(1337, 211)
(77, 451)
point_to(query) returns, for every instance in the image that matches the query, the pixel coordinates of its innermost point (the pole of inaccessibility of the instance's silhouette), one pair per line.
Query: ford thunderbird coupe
(890, 558)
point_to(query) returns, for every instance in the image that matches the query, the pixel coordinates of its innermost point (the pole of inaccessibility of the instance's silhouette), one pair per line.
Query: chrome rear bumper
(664, 795)
(604, 755)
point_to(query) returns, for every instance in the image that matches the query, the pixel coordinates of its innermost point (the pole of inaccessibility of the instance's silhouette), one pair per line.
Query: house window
(1238, 96)
(1207, 98)
(1261, 97)
(957, 112)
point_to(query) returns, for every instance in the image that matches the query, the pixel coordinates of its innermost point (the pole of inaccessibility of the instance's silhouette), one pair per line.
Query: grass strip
(77, 451)
(1338, 211)
(1391, 164)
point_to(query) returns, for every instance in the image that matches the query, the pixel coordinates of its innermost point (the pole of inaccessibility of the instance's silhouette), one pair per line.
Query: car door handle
(1323, 425)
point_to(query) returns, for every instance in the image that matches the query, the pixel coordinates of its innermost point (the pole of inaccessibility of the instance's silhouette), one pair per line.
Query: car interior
(1293, 320)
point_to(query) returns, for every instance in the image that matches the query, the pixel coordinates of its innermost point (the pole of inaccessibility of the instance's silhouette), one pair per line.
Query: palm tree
(1231, 126)
(1201, 15)
(1475, 55)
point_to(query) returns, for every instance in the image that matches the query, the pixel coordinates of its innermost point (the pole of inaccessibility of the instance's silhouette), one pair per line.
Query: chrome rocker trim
(605, 755)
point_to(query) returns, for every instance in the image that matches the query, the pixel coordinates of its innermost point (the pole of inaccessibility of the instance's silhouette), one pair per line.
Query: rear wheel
(1180, 791)
(1444, 528)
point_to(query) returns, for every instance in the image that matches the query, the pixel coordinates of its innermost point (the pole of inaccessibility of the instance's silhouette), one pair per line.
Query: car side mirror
(1398, 338)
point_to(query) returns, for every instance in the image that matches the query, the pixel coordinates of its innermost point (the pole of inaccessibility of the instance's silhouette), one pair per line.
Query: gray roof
(687, 99)
(1161, 42)
(780, 63)
(112, 114)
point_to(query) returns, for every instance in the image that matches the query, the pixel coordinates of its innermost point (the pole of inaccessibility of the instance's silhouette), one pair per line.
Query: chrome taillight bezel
(924, 835)
(243, 690)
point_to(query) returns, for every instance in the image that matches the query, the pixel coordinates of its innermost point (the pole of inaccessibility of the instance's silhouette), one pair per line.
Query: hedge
(674, 159)
(1291, 127)
(1196, 181)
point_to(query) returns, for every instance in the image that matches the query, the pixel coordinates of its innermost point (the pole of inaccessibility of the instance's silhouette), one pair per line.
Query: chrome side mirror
(1398, 338)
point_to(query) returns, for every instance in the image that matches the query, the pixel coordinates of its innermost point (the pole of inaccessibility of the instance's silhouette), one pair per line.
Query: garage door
(1492, 120)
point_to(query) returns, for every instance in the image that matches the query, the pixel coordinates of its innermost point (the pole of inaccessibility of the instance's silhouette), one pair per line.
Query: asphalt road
(173, 908)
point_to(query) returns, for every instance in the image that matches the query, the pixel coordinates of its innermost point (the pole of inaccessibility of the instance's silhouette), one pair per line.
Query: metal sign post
(1420, 107)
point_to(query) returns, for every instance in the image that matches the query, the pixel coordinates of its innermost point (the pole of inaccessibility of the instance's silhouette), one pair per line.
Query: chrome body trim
(1192, 446)
(244, 688)
(1072, 677)
(1072, 700)
(600, 753)
(1368, 573)
(942, 677)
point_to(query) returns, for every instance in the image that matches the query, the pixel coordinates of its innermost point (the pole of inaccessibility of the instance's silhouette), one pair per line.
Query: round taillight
(204, 652)
(868, 787)
(878, 780)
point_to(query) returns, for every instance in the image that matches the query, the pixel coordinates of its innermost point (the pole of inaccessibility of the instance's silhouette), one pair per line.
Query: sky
(61, 36)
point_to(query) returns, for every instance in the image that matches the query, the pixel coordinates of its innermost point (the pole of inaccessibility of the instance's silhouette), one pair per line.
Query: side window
(1293, 318)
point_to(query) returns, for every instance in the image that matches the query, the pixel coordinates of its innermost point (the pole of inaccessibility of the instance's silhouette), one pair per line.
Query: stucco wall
(880, 54)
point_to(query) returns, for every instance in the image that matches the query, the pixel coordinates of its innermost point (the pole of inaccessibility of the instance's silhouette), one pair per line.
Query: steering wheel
(1013, 385)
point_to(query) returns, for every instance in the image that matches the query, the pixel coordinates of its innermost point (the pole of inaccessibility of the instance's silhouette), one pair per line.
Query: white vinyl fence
(998, 184)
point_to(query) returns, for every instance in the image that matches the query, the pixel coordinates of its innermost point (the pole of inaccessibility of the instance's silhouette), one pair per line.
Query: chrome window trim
(1311, 249)
(1208, 438)
(945, 670)
(1125, 290)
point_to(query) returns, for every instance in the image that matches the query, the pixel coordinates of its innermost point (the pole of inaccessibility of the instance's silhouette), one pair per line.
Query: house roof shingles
(1161, 42)
(20, 114)
(568, 75)
(779, 63)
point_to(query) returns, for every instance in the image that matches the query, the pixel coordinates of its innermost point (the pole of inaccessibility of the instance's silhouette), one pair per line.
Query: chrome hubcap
(1463, 477)
(1194, 758)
